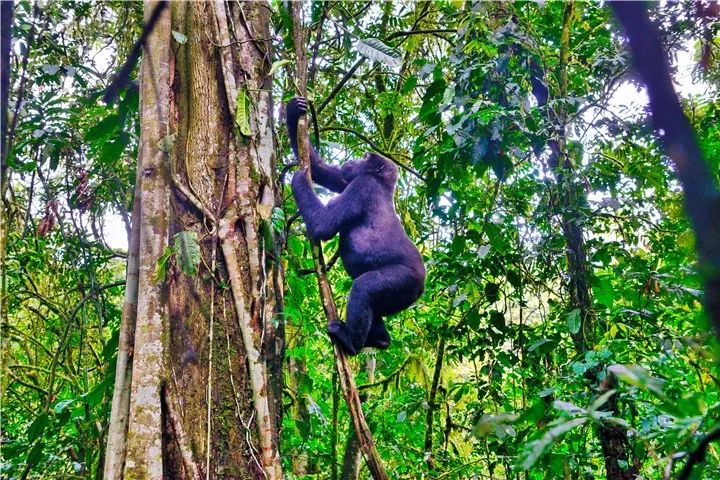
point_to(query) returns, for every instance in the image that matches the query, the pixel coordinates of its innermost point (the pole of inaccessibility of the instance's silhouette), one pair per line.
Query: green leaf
(111, 345)
(458, 245)
(112, 150)
(187, 251)
(374, 49)
(179, 37)
(242, 113)
(489, 423)
(497, 320)
(409, 84)
(543, 346)
(473, 319)
(603, 290)
(639, 377)
(536, 448)
(492, 292)
(78, 413)
(62, 405)
(432, 98)
(103, 129)
(533, 414)
(278, 219)
(35, 454)
(276, 65)
(161, 266)
(495, 238)
(602, 400)
(573, 321)
(37, 427)
(418, 372)
(95, 396)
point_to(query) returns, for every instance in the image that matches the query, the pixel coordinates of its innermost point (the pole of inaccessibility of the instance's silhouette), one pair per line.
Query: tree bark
(117, 429)
(143, 455)
(201, 351)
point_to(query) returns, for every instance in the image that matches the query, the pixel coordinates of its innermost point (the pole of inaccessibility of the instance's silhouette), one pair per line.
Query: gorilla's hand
(295, 109)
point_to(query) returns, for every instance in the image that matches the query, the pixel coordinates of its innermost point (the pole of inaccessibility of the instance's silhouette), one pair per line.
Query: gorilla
(387, 270)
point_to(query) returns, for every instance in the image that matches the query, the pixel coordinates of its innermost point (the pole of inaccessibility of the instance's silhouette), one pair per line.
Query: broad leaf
(375, 50)
(187, 252)
(573, 321)
(242, 113)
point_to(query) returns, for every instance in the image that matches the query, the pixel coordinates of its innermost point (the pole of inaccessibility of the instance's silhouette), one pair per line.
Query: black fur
(387, 270)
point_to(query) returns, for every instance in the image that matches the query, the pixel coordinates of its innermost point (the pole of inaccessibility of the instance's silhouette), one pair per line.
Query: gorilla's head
(371, 164)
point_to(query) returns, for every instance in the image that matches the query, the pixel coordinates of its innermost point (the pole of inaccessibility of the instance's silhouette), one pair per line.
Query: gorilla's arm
(324, 221)
(323, 174)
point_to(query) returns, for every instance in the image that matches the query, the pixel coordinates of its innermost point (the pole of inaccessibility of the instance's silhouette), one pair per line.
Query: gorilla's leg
(378, 336)
(351, 335)
(380, 292)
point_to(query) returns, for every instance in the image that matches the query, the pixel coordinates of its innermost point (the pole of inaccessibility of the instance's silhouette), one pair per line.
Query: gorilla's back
(377, 240)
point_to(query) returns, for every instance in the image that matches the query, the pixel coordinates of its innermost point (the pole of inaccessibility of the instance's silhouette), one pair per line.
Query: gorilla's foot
(378, 337)
(380, 344)
(338, 332)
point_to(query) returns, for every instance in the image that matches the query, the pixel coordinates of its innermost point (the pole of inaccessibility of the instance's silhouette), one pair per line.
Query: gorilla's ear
(382, 167)
(376, 163)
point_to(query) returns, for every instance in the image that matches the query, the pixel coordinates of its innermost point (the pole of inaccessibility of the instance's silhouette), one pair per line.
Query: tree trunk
(613, 437)
(432, 404)
(201, 356)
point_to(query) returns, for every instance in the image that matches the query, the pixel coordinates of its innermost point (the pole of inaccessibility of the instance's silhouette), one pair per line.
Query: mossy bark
(204, 348)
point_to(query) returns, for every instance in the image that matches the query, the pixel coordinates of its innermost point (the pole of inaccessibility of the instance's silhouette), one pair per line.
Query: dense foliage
(530, 177)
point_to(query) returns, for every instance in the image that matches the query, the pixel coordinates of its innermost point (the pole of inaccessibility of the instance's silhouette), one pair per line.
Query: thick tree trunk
(201, 351)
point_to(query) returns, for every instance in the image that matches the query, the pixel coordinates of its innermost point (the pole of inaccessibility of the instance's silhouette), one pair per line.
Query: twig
(421, 32)
(698, 455)
(10, 134)
(388, 378)
(340, 85)
(328, 266)
(193, 199)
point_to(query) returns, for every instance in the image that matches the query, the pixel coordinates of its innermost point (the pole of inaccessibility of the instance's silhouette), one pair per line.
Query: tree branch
(702, 197)
(340, 85)
(123, 75)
